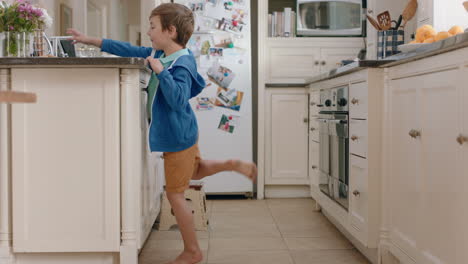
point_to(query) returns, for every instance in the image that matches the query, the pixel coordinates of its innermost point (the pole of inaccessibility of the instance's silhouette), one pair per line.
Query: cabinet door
(404, 165)
(66, 161)
(358, 196)
(289, 63)
(443, 198)
(330, 58)
(463, 167)
(289, 139)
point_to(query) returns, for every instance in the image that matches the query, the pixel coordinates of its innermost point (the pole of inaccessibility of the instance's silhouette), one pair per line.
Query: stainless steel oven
(334, 145)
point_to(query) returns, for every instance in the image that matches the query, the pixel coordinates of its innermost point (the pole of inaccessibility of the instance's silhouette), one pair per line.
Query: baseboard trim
(287, 191)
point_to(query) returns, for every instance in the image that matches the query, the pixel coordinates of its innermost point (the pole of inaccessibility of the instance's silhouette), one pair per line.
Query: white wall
(448, 13)
(442, 14)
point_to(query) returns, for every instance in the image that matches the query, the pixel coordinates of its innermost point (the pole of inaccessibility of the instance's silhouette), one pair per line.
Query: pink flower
(12, 28)
(37, 12)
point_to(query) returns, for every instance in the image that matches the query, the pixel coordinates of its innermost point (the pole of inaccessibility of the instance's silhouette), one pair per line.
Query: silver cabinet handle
(462, 139)
(356, 193)
(324, 62)
(317, 62)
(354, 138)
(306, 119)
(414, 133)
(312, 129)
(354, 101)
(314, 167)
(312, 103)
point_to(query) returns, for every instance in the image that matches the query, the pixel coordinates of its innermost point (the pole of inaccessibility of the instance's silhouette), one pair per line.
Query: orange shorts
(180, 167)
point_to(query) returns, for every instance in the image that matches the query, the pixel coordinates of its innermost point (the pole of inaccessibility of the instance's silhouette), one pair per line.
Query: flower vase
(2, 43)
(19, 44)
(12, 44)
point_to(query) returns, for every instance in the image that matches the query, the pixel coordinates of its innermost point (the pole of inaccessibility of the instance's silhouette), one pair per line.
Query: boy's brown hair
(179, 16)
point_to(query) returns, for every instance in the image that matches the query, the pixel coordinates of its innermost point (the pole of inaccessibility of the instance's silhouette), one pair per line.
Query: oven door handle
(337, 121)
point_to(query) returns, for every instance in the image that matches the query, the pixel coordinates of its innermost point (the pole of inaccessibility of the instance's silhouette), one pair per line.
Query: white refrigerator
(221, 43)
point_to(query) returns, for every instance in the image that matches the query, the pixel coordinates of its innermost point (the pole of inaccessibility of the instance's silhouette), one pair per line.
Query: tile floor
(272, 231)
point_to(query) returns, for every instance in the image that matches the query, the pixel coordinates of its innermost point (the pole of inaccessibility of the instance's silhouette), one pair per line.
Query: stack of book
(282, 24)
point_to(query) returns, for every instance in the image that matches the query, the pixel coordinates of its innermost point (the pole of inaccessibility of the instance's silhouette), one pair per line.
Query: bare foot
(249, 169)
(187, 257)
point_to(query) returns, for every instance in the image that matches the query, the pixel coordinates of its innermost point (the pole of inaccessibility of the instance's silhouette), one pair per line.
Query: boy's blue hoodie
(174, 126)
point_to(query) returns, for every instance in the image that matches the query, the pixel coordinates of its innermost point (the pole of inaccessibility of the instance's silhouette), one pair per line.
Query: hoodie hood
(188, 62)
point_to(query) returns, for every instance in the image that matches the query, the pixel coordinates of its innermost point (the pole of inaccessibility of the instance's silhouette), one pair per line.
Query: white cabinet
(286, 148)
(313, 165)
(314, 101)
(427, 167)
(358, 194)
(66, 162)
(362, 219)
(404, 167)
(290, 60)
(464, 165)
(358, 105)
(292, 63)
(358, 130)
(82, 176)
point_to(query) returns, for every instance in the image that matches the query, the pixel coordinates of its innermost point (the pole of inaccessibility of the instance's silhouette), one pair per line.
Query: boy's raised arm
(124, 49)
(119, 48)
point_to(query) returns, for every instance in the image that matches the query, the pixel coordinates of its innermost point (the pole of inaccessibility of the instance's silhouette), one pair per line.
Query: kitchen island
(78, 183)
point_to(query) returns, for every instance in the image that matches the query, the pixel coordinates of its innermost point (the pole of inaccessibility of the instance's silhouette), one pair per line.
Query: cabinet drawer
(314, 129)
(358, 137)
(358, 193)
(313, 162)
(358, 100)
(313, 105)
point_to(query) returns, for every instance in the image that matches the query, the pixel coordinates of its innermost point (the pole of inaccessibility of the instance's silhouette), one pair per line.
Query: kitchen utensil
(398, 22)
(465, 4)
(373, 22)
(409, 11)
(385, 21)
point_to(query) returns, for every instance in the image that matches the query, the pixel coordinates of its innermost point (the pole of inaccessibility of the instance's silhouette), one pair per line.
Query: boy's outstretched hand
(155, 64)
(79, 37)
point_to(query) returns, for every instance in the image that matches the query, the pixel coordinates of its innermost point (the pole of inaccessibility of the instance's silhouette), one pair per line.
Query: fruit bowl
(410, 47)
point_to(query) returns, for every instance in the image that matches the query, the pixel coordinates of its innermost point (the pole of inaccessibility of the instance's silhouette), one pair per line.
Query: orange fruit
(425, 32)
(420, 36)
(455, 30)
(423, 27)
(442, 35)
(429, 40)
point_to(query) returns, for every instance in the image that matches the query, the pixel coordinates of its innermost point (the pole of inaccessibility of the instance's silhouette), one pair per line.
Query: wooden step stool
(195, 196)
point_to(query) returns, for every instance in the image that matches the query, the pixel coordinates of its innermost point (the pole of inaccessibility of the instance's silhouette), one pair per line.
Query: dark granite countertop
(446, 45)
(286, 84)
(118, 62)
(347, 69)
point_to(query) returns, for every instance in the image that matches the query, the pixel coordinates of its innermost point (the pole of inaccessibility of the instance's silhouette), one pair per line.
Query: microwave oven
(331, 18)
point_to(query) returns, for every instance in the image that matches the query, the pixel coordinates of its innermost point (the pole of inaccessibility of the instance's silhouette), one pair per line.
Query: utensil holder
(388, 42)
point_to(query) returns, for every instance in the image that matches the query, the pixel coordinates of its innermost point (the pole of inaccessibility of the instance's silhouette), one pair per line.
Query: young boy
(174, 128)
